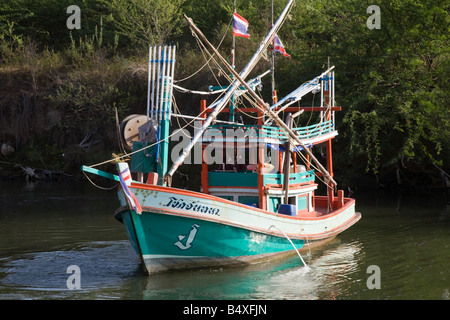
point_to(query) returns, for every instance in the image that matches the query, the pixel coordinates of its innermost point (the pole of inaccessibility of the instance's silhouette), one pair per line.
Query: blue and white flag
(278, 46)
(125, 180)
(240, 26)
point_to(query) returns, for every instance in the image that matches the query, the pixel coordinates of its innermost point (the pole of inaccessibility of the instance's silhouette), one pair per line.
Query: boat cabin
(260, 181)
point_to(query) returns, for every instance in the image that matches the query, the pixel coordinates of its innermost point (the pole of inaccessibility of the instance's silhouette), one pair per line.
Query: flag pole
(272, 68)
(234, 41)
(233, 57)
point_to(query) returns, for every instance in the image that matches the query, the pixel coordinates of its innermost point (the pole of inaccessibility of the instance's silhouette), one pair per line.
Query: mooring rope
(303, 261)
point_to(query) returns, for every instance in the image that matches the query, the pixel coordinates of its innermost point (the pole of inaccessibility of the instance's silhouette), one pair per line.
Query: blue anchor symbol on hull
(189, 239)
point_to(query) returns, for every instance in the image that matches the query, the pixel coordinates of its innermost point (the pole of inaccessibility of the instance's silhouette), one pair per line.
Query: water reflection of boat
(327, 277)
(244, 212)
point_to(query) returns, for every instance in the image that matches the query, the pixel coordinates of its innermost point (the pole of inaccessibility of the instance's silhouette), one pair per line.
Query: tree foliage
(144, 22)
(392, 82)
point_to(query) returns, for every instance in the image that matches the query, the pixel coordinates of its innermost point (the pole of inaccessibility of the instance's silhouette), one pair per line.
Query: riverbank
(62, 92)
(188, 177)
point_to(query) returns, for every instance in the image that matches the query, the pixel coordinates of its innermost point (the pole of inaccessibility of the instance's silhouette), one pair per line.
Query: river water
(399, 250)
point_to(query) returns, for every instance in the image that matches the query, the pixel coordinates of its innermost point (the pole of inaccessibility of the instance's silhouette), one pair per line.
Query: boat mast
(234, 85)
(272, 68)
(260, 101)
(233, 57)
(287, 165)
(234, 40)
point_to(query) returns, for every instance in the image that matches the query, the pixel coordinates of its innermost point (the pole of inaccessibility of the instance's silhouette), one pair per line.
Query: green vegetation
(60, 86)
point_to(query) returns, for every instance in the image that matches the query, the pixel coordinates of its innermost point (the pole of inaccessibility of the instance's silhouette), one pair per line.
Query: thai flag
(240, 26)
(125, 179)
(278, 46)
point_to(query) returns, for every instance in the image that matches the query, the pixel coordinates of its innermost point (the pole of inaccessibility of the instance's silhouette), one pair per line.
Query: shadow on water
(45, 228)
(104, 267)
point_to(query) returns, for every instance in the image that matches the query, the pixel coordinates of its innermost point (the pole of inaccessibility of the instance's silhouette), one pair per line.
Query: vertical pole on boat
(330, 171)
(328, 93)
(172, 77)
(158, 80)
(164, 97)
(287, 158)
(272, 69)
(233, 61)
(333, 99)
(163, 121)
(232, 106)
(204, 173)
(153, 75)
(328, 104)
(262, 196)
(163, 83)
(308, 162)
(234, 40)
(149, 82)
(321, 99)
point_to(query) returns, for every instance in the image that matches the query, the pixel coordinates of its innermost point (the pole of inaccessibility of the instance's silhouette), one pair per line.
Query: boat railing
(262, 131)
(250, 179)
(314, 130)
(294, 178)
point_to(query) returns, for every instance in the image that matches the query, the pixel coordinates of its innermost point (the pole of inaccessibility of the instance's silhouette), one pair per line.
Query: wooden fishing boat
(244, 211)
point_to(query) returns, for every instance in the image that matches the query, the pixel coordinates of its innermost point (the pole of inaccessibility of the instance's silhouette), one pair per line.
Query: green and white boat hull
(181, 229)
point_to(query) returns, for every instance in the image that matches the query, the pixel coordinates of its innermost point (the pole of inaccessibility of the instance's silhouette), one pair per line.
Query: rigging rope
(220, 43)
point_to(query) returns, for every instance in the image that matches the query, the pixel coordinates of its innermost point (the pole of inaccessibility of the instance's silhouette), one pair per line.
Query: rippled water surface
(45, 228)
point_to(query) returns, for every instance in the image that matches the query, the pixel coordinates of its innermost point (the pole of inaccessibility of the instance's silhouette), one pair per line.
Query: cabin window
(249, 200)
(291, 200)
(302, 202)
